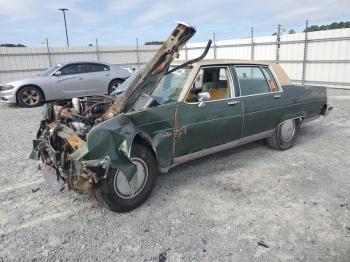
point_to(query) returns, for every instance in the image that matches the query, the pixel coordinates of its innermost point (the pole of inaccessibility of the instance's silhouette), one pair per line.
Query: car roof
(277, 69)
(80, 62)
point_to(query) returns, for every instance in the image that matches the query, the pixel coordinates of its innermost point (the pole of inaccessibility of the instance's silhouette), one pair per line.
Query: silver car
(64, 81)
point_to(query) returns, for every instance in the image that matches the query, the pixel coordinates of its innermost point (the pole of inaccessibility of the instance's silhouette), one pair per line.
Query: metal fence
(321, 57)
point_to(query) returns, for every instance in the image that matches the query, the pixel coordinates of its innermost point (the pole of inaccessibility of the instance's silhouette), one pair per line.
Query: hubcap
(30, 97)
(115, 86)
(127, 190)
(287, 130)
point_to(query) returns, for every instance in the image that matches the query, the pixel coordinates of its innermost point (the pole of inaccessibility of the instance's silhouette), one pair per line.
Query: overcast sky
(120, 22)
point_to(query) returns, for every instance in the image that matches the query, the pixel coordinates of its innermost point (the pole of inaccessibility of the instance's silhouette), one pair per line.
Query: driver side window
(214, 80)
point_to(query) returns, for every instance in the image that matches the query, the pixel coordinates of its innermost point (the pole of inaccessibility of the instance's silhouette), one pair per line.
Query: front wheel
(118, 194)
(114, 85)
(30, 96)
(285, 135)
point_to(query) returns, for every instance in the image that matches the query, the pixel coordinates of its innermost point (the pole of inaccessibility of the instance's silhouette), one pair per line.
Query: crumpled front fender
(110, 140)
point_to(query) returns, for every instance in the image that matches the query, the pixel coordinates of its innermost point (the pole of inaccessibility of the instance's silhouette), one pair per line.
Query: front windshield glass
(49, 70)
(169, 88)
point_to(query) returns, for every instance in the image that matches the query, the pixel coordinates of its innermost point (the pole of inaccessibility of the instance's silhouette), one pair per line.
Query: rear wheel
(120, 195)
(114, 85)
(285, 135)
(30, 96)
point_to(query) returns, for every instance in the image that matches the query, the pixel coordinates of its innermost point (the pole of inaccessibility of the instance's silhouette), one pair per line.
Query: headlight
(6, 87)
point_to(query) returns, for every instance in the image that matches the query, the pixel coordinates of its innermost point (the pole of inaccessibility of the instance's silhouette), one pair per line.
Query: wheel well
(121, 79)
(142, 140)
(38, 87)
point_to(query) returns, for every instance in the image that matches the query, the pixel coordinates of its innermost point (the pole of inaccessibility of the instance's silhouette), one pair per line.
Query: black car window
(72, 69)
(96, 68)
(251, 80)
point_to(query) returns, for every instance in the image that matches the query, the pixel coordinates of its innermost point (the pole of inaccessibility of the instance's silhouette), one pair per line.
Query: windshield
(49, 70)
(169, 88)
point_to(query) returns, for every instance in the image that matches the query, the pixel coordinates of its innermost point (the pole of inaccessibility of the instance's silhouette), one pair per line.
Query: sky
(120, 22)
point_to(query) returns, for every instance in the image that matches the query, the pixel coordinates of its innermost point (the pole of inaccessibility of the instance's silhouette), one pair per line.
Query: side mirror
(57, 73)
(202, 98)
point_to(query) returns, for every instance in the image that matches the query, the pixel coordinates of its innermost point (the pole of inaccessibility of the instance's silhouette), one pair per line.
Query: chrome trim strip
(182, 159)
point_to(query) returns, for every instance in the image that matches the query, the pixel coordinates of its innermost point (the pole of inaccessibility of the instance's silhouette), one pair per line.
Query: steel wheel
(127, 190)
(287, 130)
(114, 85)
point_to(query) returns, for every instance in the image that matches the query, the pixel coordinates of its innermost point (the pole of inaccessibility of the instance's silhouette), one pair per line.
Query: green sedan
(162, 116)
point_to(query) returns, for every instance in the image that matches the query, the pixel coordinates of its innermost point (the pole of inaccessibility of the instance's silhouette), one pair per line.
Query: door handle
(276, 96)
(107, 75)
(232, 103)
(80, 78)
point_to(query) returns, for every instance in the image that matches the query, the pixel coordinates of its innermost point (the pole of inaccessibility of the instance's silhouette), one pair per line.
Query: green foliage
(154, 43)
(334, 25)
(291, 31)
(12, 45)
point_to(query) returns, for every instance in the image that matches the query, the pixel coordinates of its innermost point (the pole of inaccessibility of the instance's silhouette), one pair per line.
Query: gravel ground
(217, 208)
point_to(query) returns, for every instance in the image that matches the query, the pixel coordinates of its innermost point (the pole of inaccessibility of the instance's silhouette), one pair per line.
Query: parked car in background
(64, 81)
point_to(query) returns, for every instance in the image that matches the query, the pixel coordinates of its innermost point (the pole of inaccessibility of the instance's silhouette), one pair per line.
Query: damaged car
(114, 146)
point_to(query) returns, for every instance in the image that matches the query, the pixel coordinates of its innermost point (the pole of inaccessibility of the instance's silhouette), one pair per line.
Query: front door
(71, 82)
(217, 122)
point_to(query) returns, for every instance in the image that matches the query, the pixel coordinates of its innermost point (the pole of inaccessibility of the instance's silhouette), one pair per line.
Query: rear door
(218, 122)
(97, 78)
(261, 98)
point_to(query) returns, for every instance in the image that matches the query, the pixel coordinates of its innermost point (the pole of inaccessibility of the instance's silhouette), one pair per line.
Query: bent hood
(149, 76)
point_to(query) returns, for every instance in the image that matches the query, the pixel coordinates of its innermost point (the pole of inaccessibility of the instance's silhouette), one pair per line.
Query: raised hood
(149, 76)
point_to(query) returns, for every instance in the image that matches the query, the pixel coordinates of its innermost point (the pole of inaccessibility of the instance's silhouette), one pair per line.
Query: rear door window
(90, 67)
(251, 80)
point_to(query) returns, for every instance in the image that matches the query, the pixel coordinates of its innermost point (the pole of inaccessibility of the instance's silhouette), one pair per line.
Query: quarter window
(251, 80)
(272, 83)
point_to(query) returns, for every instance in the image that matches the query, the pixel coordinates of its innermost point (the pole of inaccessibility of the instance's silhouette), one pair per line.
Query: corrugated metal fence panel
(328, 55)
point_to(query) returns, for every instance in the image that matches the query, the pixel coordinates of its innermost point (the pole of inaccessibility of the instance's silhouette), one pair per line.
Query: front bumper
(8, 96)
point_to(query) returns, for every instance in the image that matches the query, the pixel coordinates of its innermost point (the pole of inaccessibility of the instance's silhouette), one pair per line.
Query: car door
(216, 123)
(96, 78)
(70, 83)
(261, 98)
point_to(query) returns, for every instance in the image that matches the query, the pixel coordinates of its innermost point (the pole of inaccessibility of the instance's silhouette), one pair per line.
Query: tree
(154, 43)
(12, 45)
(334, 25)
(274, 33)
(291, 31)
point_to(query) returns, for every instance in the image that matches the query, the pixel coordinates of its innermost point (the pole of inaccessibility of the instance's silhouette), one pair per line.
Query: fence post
(252, 44)
(214, 45)
(48, 51)
(97, 51)
(278, 40)
(137, 53)
(305, 52)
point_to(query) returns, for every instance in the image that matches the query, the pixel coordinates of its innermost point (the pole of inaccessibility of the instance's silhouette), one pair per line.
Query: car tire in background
(114, 85)
(30, 96)
(285, 135)
(118, 194)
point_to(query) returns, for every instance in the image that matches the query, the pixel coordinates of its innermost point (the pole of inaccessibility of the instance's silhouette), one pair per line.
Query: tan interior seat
(217, 90)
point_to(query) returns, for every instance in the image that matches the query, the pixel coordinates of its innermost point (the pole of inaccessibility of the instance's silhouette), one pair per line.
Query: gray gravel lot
(214, 209)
